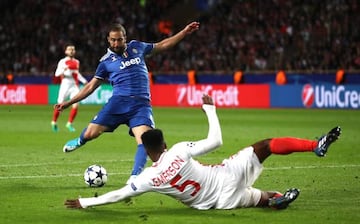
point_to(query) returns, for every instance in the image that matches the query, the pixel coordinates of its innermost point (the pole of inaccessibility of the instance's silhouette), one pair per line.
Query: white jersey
(69, 67)
(177, 174)
(69, 87)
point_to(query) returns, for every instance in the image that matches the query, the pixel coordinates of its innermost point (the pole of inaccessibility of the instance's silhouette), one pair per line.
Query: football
(95, 176)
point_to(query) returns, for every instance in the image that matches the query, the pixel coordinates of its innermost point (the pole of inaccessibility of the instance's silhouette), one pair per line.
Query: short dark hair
(68, 44)
(116, 27)
(153, 139)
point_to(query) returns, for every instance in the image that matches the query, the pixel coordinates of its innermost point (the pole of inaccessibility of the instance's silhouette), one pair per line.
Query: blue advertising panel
(315, 96)
(285, 96)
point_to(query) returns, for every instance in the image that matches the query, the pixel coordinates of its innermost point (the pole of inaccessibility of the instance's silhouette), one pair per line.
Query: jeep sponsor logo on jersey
(133, 61)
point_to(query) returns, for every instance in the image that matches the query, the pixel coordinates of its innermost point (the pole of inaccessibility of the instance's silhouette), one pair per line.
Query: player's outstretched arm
(173, 40)
(107, 198)
(82, 79)
(214, 137)
(84, 92)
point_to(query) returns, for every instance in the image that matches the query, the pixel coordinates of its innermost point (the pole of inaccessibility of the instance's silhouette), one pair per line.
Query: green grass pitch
(36, 176)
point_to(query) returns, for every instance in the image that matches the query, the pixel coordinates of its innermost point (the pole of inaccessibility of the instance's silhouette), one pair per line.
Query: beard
(117, 50)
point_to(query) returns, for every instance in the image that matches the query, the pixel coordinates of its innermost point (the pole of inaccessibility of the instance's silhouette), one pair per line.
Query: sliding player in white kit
(68, 70)
(224, 186)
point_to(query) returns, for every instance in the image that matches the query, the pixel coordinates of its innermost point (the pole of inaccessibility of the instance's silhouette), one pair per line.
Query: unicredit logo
(336, 97)
(16, 94)
(192, 95)
(330, 96)
(308, 95)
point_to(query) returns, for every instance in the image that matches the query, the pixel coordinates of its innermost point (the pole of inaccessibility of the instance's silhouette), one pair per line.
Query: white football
(95, 176)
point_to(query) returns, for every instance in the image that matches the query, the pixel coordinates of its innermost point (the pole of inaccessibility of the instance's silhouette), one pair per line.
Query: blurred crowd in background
(247, 35)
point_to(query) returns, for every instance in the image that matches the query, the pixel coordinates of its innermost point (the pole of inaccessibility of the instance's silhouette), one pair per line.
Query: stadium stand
(247, 35)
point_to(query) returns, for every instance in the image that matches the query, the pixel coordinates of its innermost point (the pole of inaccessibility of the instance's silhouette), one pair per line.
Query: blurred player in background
(68, 71)
(228, 185)
(124, 67)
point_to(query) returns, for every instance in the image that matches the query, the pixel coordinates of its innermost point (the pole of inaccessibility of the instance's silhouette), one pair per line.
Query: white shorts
(238, 192)
(67, 91)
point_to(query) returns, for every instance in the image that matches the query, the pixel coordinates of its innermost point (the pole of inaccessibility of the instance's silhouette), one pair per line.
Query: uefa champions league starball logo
(308, 95)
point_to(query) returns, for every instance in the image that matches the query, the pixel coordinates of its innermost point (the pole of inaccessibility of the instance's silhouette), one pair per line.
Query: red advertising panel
(245, 96)
(23, 94)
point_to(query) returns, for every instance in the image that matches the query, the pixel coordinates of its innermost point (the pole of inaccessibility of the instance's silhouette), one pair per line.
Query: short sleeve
(101, 72)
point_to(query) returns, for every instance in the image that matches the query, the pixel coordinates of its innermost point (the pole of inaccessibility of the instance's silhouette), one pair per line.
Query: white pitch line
(59, 163)
(111, 174)
(52, 176)
(312, 167)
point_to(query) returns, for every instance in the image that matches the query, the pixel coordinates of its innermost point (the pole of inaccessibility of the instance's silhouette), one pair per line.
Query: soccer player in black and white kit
(228, 185)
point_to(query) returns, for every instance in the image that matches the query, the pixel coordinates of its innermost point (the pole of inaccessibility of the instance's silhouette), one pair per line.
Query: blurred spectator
(165, 27)
(3, 79)
(7, 79)
(10, 78)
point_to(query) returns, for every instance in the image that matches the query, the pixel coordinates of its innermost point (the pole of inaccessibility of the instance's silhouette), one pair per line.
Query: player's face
(70, 51)
(117, 41)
